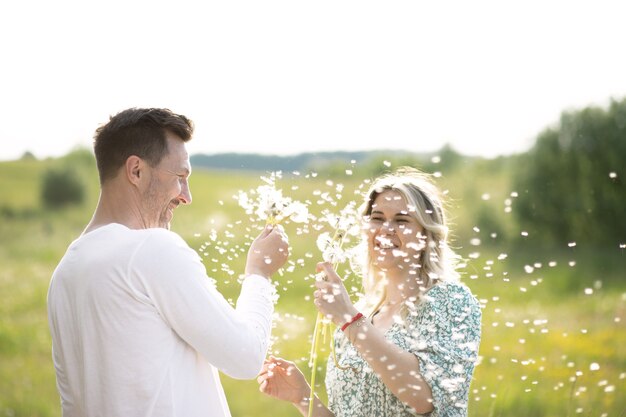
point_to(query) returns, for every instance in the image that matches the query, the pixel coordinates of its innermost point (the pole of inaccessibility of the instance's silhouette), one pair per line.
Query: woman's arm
(283, 380)
(398, 369)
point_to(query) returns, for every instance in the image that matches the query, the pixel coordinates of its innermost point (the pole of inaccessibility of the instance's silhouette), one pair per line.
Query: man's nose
(185, 194)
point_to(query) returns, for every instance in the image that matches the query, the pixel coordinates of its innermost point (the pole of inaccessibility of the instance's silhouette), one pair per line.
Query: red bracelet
(352, 320)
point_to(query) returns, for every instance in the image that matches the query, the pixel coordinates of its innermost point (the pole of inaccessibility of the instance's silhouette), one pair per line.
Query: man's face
(168, 185)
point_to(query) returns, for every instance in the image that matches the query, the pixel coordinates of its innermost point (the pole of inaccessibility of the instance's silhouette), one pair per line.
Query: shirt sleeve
(234, 340)
(446, 336)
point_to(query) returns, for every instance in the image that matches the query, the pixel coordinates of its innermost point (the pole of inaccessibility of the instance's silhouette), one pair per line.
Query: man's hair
(139, 132)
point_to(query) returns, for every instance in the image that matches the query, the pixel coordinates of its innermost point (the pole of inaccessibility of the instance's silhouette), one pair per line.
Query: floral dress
(443, 332)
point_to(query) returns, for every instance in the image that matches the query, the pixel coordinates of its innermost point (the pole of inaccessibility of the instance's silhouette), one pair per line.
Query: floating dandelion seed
(268, 204)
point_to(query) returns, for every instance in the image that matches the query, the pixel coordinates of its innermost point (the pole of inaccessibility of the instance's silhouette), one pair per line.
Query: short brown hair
(140, 132)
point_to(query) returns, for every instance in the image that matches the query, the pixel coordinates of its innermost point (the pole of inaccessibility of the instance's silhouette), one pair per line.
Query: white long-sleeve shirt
(138, 329)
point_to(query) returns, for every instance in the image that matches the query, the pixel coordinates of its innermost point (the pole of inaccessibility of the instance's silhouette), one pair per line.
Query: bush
(61, 187)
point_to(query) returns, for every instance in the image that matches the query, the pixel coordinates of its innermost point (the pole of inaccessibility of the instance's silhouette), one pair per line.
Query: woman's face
(395, 237)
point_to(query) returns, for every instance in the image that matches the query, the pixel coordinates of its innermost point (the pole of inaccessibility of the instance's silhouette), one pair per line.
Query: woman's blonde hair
(438, 262)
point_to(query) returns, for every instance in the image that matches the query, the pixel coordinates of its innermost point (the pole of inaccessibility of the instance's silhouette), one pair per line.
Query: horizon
(381, 151)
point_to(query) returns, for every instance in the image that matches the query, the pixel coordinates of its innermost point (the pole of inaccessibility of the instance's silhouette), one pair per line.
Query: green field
(554, 319)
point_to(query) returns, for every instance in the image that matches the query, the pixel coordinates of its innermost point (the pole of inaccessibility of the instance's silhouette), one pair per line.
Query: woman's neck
(401, 286)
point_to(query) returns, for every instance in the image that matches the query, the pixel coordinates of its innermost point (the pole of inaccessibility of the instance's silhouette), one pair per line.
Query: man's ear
(135, 169)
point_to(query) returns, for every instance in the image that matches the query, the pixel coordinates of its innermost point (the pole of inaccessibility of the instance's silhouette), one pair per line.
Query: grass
(553, 336)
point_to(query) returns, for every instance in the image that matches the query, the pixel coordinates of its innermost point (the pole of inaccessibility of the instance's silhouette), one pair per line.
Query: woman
(414, 350)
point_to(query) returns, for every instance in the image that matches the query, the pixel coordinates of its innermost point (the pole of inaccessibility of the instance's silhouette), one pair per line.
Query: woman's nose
(388, 227)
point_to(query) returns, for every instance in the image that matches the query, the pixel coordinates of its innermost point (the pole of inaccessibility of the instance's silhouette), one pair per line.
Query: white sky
(283, 77)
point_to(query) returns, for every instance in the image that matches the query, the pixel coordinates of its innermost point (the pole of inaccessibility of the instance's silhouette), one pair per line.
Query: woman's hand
(283, 380)
(331, 297)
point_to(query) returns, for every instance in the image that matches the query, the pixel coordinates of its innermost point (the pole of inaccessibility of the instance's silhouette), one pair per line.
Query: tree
(571, 184)
(61, 187)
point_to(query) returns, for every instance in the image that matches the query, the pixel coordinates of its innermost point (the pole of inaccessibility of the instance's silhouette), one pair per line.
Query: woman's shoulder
(455, 289)
(451, 295)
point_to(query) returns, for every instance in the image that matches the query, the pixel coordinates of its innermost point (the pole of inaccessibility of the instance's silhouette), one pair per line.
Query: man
(137, 328)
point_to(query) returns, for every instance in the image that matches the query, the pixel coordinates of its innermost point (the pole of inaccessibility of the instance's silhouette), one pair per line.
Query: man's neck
(116, 207)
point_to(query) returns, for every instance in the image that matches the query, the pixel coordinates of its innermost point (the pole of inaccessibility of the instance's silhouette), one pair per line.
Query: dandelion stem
(571, 396)
(313, 359)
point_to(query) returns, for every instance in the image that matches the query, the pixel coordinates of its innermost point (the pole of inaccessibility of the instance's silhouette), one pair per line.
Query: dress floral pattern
(443, 331)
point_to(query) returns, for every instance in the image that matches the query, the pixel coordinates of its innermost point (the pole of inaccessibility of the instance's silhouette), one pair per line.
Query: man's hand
(268, 252)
